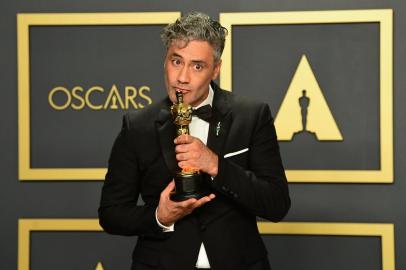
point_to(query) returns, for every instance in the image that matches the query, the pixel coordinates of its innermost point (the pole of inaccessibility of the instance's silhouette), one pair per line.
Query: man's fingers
(186, 204)
(169, 188)
(193, 203)
(188, 164)
(180, 148)
(181, 157)
(209, 197)
(181, 209)
(184, 138)
(204, 200)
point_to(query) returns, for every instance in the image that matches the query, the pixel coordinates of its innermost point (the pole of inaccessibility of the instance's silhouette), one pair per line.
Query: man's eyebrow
(201, 62)
(197, 61)
(177, 55)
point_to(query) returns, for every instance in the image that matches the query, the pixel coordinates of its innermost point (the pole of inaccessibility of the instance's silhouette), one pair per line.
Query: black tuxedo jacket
(250, 182)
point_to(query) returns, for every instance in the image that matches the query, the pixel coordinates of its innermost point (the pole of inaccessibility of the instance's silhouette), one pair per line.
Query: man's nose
(183, 75)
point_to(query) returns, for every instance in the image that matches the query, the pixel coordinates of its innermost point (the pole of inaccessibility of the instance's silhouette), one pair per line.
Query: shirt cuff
(170, 228)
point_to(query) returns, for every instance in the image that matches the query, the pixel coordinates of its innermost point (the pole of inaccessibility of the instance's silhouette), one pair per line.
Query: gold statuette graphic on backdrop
(189, 182)
(99, 266)
(304, 110)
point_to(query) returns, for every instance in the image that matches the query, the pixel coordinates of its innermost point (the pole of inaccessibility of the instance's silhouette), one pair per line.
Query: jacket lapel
(220, 122)
(167, 133)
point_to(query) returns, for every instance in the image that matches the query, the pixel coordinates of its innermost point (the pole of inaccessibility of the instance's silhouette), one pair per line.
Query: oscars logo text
(98, 98)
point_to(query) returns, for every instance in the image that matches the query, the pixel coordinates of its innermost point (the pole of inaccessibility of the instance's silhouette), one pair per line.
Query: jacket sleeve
(118, 211)
(260, 187)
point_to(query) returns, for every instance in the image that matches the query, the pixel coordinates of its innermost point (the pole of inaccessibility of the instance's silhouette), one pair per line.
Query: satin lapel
(220, 123)
(167, 134)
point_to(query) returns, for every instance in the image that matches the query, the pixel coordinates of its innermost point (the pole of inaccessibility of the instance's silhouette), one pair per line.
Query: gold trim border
(385, 19)
(383, 230)
(24, 21)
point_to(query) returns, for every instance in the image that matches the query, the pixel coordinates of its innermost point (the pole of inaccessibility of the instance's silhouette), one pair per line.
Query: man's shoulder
(240, 103)
(249, 103)
(148, 115)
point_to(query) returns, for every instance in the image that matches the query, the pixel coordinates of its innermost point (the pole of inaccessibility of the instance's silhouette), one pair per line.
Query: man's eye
(176, 62)
(198, 67)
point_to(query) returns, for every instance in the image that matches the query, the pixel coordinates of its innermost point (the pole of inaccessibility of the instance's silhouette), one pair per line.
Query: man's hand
(192, 153)
(168, 211)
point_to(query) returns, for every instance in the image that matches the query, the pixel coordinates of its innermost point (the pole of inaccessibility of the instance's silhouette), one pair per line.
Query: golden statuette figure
(182, 115)
(189, 182)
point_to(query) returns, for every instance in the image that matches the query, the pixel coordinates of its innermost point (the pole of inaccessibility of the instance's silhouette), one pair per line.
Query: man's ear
(216, 71)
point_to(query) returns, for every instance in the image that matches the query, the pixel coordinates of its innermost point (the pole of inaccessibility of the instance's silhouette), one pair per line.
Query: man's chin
(187, 101)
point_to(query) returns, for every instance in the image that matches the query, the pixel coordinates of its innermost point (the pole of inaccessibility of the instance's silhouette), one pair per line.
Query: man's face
(189, 69)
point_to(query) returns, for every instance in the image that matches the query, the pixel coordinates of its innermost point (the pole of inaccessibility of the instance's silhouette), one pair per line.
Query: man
(236, 149)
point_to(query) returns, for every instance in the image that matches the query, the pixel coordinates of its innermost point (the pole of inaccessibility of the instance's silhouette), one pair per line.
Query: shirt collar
(208, 100)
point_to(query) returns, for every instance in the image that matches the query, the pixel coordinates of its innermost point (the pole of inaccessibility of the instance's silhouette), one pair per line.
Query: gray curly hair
(196, 26)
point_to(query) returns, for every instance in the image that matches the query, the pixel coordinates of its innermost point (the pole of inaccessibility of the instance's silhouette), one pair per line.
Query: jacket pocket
(239, 157)
(235, 153)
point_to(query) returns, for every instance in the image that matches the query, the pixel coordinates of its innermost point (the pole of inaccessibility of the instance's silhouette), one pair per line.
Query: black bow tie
(203, 112)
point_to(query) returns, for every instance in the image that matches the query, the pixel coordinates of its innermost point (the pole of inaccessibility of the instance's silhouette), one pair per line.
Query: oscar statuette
(189, 182)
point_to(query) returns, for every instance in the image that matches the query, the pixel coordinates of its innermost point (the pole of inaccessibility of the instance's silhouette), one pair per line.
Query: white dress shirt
(200, 129)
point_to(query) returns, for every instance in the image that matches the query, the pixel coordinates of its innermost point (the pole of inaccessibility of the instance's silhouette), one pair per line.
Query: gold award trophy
(189, 182)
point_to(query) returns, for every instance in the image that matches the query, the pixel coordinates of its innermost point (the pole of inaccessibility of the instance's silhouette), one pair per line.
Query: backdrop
(331, 72)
